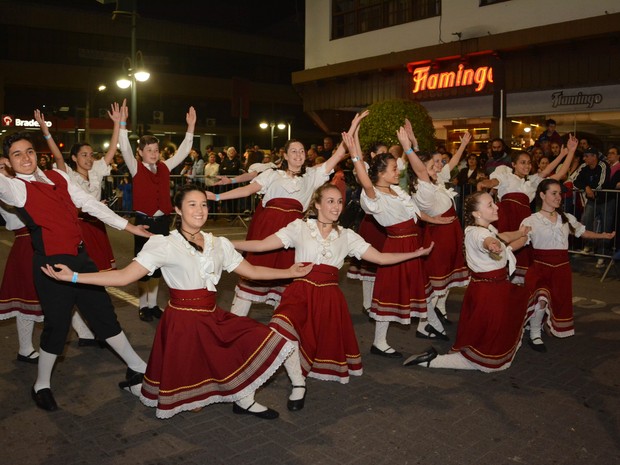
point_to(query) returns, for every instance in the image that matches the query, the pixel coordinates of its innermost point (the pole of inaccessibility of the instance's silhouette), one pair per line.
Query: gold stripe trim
(515, 201)
(403, 236)
(190, 309)
(315, 284)
(285, 210)
(551, 265)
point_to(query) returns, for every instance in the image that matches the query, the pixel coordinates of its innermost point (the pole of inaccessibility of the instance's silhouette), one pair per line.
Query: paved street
(555, 408)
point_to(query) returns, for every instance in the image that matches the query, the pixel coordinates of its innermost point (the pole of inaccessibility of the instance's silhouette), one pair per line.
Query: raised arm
(338, 156)
(374, 256)
(456, 158)
(187, 144)
(116, 114)
(268, 244)
(352, 142)
(418, 166)
(58, 158)
(125, 146)
(571, 147)
(131, 273)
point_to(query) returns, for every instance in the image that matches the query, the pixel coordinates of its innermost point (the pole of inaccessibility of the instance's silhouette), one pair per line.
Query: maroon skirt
(314, 312)
(97, 242)
(513, 209)
(373, 233)
(401, 291)
(203, 355)
(277, 214)
(550, 277)
(445, 265)
(493, 315)
(17, 293)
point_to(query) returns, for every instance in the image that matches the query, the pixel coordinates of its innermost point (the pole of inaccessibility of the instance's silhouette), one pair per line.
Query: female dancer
(201, 354)
(446, 266)
(89, 173)
(549, 278)
(373, 233)
(516, 189)
(313, 311)
(401, 291)
(490, 331)
(286, 195)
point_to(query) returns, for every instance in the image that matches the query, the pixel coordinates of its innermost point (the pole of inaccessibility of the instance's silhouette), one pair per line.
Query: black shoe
(295, 405)
(145, 314)
(268, 414)
(432, 333)
(29, 358)
(374, 350)
(541, 347)
(132, 378)
(44, 399)
(156, 312)
(91, 343)
(424, 357)
(443, 317)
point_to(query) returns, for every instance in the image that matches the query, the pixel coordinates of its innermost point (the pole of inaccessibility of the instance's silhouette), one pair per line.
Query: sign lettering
(423, 80)
(589, 100)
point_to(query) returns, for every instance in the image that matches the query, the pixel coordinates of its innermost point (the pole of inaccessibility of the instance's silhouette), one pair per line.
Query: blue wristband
(217, 197)
(233, 181)
(75, 276)
(408, 152)
(48, 137)
(123, 123)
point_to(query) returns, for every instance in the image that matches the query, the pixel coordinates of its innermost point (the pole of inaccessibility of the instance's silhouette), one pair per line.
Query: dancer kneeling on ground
(494, 310)
(313, 311)
(201, 354)
(549, 279)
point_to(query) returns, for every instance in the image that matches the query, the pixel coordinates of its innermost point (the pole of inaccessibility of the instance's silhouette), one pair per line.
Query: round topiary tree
(386, 117)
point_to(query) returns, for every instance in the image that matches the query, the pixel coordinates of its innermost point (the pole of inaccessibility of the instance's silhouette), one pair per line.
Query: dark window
(350, 17)
(490, 2)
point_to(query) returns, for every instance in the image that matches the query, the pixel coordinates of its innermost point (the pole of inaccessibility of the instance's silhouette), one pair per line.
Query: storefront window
(350, 17)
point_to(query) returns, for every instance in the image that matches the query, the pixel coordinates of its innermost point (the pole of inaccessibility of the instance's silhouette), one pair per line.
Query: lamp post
(272, 126)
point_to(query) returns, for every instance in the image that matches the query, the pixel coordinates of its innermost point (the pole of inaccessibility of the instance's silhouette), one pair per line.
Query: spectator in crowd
(311, 157)
(45, 162)
(550, 133)
(231, 165)
(328, 148)
(500, 155)
(613, 161)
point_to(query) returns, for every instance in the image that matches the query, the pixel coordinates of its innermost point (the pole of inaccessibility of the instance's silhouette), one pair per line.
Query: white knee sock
(455, 360)
(79, 325)
(434, 321)
(536, 319)
(381, 329)
(153, 288)
(44, 370)
(240, 306)
(367, 290)
(293, 369)
(25, 329)
(143, 293)
(441, 303)
(123, 348)
(248, 402)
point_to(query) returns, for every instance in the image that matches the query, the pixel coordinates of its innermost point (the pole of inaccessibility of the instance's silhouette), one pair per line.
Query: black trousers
(157, 225)
(58, 299)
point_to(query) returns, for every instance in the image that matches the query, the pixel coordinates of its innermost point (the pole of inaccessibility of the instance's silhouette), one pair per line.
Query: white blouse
(479, 260)
(310, 247)
(92, 185)
(277, 184)
(389, 210)
(185, 268)
(546, 235)
(434, 199)
(13, 223)
(510, 183)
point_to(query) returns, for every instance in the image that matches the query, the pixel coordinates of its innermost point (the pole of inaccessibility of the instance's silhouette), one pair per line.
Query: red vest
(51, 217)
(151, 191)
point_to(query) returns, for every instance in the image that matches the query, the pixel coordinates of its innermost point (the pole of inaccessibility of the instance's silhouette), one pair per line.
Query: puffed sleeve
(579, 228)
(444, 175)
(318, 175)
(501, 173)
(357, 246)
(154, 254)
(100, 168)
(371, 205)
(425, 195)
(527, 222)
(290, 233)
(230, 257)
(264, 179)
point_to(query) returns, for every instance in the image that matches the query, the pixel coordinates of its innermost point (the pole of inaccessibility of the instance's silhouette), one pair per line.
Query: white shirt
(276, 184)
(172, 162)
(479, 260)
(511, 183)
(92, 185)
(211, 169)
(546, 235)
(434, 199)
(13, 223)
(185, 268)
(389, 210)
(312, 248)
(13, 192)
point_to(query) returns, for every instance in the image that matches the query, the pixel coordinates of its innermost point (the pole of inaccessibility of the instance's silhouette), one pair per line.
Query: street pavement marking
(116, 292)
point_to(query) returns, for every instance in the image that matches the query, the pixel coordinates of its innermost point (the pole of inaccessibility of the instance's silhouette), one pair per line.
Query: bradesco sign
(462, 76)
(9, 120)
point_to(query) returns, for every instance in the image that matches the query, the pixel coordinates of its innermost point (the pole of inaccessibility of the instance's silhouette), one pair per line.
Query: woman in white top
(446, 265)
(494, 310)
(549, 279)
(401, 291)
(516, 189)
(201, 354)
(313, 311)
(286, 195)
(88, 173)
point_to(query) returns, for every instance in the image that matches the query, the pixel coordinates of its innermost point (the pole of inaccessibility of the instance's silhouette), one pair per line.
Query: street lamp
(272, 126)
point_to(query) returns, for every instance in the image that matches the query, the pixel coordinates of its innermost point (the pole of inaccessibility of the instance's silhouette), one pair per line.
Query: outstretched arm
(374, 256)
(224, 180)
(272, 242)
(131, 273)
(239, 192)
(250, 271)
(58, 158)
